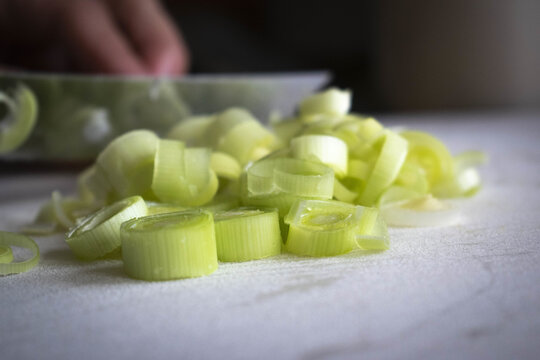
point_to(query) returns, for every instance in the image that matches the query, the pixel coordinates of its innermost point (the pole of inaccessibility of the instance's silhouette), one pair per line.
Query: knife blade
(80, 114)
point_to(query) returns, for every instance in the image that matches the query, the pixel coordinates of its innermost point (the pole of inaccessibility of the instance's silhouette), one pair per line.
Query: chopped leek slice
(386, 169)
(247, 234)
(191, 130)
(224, 123)
(245, 141)
(330, 102)
(431, 154)
(466, 180)
(327, 228)
(170, 246)
(225, 166)
(328, 150)
(341, 192)
(358, 169)
(7, 240)
(6, 255)
(19, 120)
(291, 176)
(128, 161)
(99, 234)
(321, 228)
(371, 233)
(182, 176)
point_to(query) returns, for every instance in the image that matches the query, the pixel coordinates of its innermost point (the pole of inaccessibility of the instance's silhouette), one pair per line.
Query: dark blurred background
(396, 55)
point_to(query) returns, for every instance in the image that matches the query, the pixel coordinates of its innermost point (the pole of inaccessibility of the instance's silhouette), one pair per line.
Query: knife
(80, 114)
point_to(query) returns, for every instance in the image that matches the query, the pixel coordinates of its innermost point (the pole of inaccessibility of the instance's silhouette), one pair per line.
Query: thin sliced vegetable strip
(8, 239)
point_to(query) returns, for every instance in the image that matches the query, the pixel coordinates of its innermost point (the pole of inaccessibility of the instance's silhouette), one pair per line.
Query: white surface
(467, 291)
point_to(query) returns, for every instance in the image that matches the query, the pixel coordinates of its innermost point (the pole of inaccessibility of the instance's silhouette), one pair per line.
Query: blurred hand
(100, 36)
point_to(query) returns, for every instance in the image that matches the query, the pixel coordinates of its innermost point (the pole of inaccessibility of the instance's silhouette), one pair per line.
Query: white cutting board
(467, 291)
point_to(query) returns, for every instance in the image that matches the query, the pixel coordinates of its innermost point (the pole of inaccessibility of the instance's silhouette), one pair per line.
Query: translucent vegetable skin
(7, 240)
(247, 234)
(170, 246)
(20, 118)
(424, 211)
(99, 234)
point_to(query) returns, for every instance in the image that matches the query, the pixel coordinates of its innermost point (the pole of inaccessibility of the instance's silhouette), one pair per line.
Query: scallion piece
(99, 234)
(20, 118)
(8, 240)
(170, 246)
(247, 234)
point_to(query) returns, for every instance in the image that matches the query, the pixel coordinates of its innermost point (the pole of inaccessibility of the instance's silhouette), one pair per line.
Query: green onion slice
(291, 176)
(328, 150)
(246, 234)
(7, 240)
(99, 234)
(20, 118)
(170, 246)
(386, 169)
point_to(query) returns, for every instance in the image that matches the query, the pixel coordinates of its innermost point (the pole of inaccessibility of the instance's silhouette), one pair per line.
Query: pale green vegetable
(128, 162)
(170, 246)
(245, 234)
(330, 102)
(291, 176)
(99, 234)
(225, 166)
(328, 150)
(19, 119)
(322, 228)
(8, 240)
(183, 176)
(386, 169)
